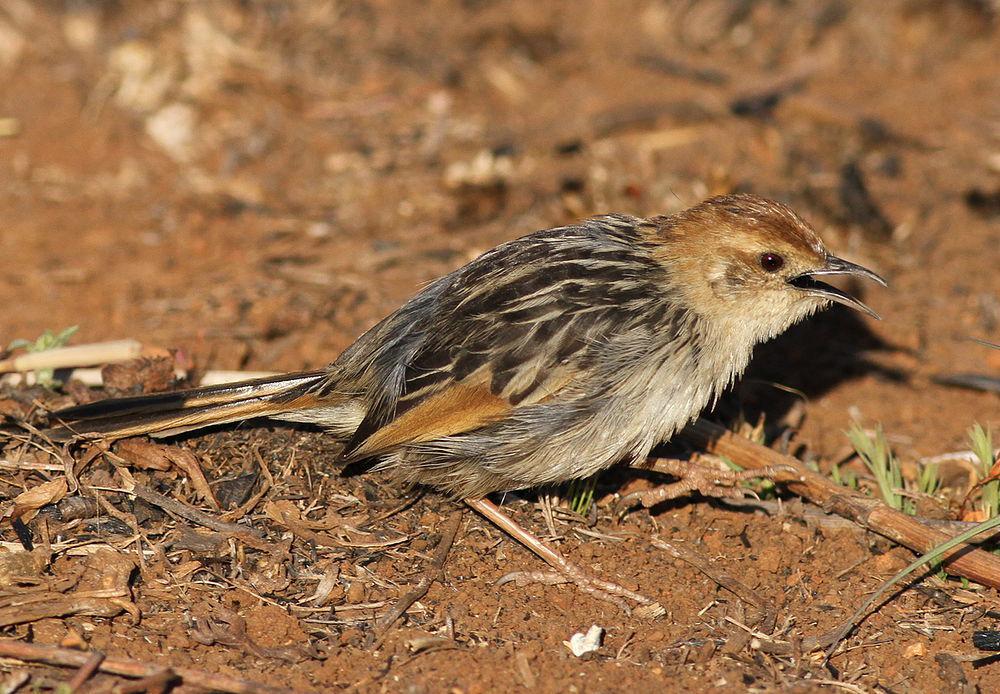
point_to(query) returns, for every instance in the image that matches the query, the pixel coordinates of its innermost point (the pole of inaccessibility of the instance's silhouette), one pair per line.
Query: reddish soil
(254, 184)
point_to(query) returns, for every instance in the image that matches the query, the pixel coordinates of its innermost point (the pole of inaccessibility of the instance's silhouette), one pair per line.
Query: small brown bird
(546, 359)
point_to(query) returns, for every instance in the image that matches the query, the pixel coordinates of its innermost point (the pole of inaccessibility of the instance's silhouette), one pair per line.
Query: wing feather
(513, 328)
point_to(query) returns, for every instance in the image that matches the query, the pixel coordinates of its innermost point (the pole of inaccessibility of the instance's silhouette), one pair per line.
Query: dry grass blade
(933, 555)
(740, 590)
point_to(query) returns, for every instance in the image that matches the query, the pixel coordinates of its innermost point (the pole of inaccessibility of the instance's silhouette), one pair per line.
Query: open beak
(808, 283)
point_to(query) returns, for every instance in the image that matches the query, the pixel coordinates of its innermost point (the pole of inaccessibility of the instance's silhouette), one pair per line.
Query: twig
(86, 671)
(65, 657)
(240, 532)
(60, 606)
(740, 590)
(962, 558)
(161, 681)
(768, 616)
(395, 509)
(813, 514)
(982, 382)
(929, 557)
(434, 571)
(129, 520)
(78, 355)
(87, 376)
(14, 681)
(252, 502)
(965, 560)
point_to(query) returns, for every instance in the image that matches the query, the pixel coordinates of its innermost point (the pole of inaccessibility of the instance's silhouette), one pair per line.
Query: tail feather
(169, 414)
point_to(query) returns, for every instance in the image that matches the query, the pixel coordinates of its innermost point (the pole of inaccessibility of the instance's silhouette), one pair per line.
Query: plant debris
(245, 188)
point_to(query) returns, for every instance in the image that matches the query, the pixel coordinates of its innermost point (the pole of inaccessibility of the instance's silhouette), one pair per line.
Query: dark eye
(771, 262)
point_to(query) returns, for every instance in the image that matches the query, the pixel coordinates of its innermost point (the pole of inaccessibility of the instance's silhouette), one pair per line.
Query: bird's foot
(704, 474)
(564, 571)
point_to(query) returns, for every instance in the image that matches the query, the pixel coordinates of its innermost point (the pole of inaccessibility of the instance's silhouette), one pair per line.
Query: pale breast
(677, 385)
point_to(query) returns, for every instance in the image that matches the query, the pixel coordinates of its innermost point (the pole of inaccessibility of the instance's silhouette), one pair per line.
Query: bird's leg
(564, 570)
(698, 474)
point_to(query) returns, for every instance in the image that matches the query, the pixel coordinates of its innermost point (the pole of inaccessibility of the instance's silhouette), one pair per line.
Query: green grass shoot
(982, 446)
(581, 494)
(46, 341)
(878, 458)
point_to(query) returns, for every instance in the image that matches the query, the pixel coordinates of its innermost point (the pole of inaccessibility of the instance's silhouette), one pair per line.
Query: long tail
(168, 414)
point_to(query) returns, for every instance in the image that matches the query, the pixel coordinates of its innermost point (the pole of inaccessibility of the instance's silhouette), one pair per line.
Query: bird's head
(750, 261)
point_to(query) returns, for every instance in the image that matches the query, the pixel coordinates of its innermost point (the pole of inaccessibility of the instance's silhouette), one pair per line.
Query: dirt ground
(253, 184)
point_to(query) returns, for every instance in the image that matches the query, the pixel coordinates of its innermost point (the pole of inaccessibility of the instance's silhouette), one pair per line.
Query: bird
(546, 359)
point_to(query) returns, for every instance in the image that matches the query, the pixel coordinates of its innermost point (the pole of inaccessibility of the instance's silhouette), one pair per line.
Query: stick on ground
(78, 355)
(65, 657)
(966, 561)
(240, 532)
(433, 573)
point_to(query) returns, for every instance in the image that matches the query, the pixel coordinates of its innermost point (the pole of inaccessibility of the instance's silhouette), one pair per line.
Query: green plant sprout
(843, 477)
(766, 489)
(878, 458)
(982, 446)
(46, 341)
(928, 481)
(581, 494)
